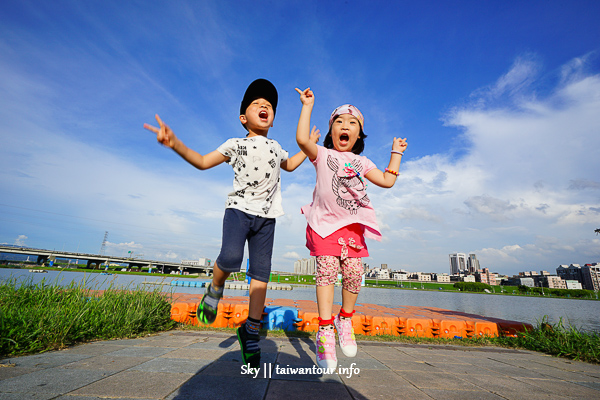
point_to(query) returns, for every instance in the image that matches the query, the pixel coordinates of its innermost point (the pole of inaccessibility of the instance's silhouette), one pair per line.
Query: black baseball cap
(259, 89)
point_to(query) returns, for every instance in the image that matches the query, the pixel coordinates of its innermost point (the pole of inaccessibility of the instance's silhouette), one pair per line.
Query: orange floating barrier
(238, 314)
(309, 321)
(486, 328)
(418, 327)
(449, 328)
(383, 325)
(510, 328)
(369, 319)
(181, 312)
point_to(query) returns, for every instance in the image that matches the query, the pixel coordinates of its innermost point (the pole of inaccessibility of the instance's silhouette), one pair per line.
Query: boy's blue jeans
(259, 232)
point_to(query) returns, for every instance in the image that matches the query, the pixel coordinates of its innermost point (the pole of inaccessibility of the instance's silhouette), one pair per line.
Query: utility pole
(103, 247)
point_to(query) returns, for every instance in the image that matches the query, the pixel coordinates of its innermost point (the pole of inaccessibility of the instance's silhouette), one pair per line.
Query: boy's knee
(229, 262)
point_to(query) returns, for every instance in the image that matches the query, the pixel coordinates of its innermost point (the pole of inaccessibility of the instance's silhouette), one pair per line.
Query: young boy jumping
(251, 207)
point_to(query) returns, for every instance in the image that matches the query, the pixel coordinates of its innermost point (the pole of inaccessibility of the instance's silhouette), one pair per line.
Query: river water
(583, 314)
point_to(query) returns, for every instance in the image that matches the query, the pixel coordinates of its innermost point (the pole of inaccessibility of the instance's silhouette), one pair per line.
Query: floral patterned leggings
(352, 270)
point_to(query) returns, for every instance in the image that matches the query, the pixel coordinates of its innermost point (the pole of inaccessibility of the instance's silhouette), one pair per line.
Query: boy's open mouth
(263, 114)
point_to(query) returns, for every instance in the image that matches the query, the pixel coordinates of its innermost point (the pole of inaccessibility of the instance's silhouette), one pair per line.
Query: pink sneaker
(326, 357)
(346, 335)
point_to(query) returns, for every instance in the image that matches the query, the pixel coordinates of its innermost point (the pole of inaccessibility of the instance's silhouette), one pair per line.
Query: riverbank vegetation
(554, 339)
(35, 318)
(472, 287)
(40, 317)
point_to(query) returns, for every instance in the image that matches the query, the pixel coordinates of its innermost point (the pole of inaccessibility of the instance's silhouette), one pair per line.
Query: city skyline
(498, 102)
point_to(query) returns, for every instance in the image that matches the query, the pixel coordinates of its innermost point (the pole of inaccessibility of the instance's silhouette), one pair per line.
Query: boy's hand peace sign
(164, 134)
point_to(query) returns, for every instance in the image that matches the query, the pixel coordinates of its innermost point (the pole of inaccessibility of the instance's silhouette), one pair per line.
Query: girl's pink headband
(347, 109)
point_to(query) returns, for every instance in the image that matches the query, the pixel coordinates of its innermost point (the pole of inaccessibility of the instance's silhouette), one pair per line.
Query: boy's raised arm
(307, 146)
(166, 137)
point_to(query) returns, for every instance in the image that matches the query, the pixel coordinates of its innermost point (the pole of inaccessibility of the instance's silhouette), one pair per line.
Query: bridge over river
(95, 260)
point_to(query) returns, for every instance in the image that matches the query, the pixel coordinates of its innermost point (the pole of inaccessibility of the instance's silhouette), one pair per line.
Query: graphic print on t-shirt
(347, 185)
(256, 184)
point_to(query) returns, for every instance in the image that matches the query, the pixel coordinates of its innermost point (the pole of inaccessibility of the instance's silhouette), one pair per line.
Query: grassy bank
(557, 340)
(39, 317)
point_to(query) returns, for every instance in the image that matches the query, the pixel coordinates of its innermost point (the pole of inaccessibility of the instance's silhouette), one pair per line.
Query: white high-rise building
(306, 266)
(458, 263)
(473, 264)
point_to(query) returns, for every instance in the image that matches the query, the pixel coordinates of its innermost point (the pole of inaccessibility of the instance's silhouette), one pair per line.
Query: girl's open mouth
(344, 137)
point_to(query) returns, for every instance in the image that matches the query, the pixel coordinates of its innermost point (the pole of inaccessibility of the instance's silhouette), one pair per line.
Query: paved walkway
(206, 365)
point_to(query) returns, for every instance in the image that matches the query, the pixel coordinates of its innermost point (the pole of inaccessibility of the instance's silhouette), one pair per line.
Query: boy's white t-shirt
(256, 162)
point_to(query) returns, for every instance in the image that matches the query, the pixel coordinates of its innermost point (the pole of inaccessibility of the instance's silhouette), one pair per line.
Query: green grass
(40, 317)
(557, 340)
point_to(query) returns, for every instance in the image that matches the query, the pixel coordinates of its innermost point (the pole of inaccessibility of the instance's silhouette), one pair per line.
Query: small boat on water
(42, 271)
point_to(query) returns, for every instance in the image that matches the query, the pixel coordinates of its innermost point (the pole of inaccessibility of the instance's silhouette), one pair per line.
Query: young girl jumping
(340, 217)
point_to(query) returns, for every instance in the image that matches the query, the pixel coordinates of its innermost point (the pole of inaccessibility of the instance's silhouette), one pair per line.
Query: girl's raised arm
(387, 178)
(303, 135)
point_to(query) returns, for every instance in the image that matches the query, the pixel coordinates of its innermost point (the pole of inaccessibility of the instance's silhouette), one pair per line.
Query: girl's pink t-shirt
(340, 198)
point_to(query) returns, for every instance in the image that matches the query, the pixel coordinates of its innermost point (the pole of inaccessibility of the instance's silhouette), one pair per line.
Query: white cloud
(20, 240)
(130, 245)
(291, 255)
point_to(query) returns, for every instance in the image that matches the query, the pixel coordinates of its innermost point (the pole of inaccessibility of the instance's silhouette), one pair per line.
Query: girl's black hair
(358, 148)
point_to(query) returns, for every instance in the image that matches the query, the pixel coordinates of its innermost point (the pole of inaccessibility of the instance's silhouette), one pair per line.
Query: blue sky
(498, 101)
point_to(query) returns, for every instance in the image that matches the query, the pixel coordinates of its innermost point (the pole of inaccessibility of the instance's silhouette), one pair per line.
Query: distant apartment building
(400, 276)
(591, 276)
(487, 277)
(570, 273)
(379, 273)
(458, 263)
(529, 273)
(588, 275)
(422, 277)
(518, 280)
(442, 278)
(201, 262)
(573, 285)
(553, 282)
(473, 263)
(384, 266)
(306, 266)
(462, 278)
(527, 281)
